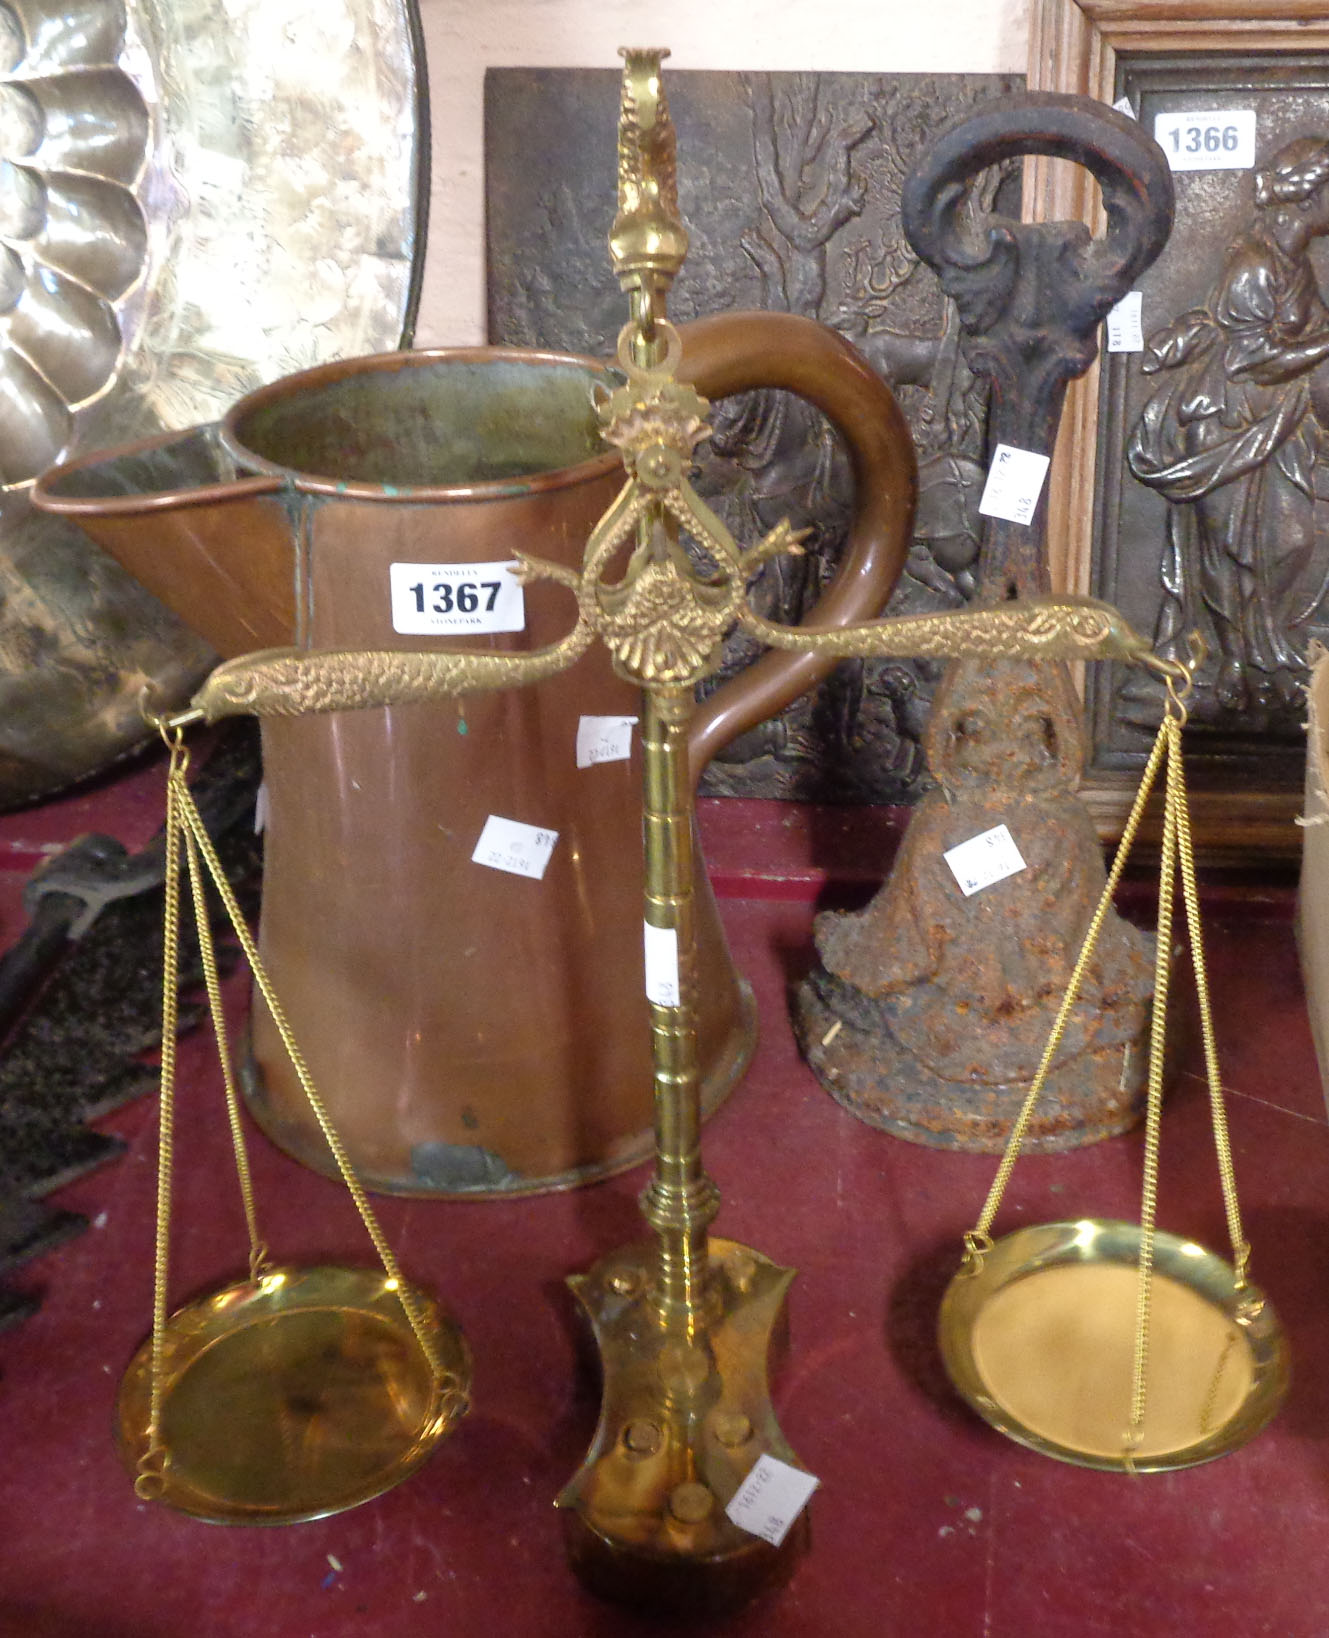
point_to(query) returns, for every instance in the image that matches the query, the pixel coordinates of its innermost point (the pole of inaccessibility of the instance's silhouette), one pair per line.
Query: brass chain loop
(1215, 1382)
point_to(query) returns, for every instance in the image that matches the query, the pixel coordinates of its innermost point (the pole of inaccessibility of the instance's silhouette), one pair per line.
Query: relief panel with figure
(1213, 480)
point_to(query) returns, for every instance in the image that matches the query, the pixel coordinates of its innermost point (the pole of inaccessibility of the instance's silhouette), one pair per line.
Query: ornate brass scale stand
(684, 1320)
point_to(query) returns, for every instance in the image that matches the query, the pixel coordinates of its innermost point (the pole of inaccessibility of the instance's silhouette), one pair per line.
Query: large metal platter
(1040, 1341)
(196, 197)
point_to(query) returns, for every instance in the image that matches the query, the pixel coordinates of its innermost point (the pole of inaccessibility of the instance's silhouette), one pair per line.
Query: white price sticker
(984, 859)
(1123, 106)
(433, 599)
(1214, 139)
(604, 739)
(507, 844)
(661, 965)
(1124, 332)
(771, 1498)
(1015, 481)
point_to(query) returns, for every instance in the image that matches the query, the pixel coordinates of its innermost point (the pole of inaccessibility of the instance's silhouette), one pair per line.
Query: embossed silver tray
(196, 197)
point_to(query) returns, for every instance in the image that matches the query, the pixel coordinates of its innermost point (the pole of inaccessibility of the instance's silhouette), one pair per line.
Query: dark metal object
(63, 898)
(790, 184)
(75, 1053)
(28, 1228)
(1032, 296)
(929, 1010)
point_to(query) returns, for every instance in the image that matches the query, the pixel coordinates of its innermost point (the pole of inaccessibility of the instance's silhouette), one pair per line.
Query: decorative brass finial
(648, 242)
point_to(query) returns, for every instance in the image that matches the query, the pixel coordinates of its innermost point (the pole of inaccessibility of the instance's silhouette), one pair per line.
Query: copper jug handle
(734, 352)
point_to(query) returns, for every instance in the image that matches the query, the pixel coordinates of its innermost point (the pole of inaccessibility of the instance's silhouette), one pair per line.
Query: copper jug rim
(237, 441)
(94, 485)
(77, 487)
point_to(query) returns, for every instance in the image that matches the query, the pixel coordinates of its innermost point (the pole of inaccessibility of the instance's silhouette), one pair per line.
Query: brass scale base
(682, 1422)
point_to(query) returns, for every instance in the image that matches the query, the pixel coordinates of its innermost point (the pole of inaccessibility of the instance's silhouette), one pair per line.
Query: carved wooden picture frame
(1248, 789)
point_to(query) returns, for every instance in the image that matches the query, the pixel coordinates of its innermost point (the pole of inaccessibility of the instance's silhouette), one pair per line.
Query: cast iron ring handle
(1131, 169)
(733, 352)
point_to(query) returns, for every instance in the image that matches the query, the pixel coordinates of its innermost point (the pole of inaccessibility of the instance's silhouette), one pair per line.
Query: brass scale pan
(293, 1396)
(1039, 1342)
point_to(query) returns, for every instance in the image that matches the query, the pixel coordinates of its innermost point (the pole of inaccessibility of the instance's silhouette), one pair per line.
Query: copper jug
(472, 1031)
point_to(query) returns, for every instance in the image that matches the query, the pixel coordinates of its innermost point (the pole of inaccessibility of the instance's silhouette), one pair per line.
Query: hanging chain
(979, 1241)
(1167, 878)
(192, 819)
(1178, 858)
(258, 1251)
(1241, 1251)
(151, 1478)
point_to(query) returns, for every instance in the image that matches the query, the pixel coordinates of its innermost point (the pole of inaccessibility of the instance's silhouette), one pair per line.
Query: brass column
(681, 1201)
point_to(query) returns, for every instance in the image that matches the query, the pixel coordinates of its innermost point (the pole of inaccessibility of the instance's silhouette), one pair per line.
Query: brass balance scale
(350, 1378)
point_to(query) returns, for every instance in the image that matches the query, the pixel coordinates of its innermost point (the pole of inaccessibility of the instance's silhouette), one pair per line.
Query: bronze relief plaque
(790, 187)
(1212, 490)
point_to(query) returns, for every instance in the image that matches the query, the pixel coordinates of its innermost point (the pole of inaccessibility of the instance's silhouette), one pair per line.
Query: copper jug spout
(212, 544)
